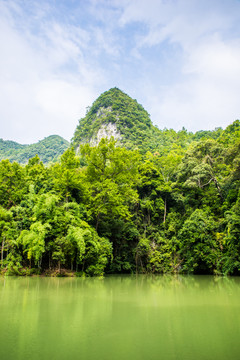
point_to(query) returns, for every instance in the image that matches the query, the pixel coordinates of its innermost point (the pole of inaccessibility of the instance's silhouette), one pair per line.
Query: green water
(120, 318)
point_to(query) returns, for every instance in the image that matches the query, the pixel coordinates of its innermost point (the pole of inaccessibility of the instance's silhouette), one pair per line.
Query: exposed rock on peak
(115, 114)
(106, 131)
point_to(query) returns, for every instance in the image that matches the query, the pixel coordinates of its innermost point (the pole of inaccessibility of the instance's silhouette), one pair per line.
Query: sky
(180, 59)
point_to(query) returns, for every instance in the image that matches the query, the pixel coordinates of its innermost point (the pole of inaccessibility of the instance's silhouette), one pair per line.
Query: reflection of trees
(83, 317)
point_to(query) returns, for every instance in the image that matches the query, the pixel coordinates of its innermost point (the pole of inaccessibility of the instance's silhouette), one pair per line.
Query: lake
(120, 317)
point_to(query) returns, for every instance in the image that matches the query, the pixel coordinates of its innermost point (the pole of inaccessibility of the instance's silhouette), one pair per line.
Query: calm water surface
(120, 318)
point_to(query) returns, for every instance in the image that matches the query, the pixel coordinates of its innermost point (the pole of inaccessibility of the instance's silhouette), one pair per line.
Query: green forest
(48, 149)
(162, 201)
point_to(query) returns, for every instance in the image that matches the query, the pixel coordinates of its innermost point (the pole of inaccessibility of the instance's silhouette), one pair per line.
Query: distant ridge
(48, 150)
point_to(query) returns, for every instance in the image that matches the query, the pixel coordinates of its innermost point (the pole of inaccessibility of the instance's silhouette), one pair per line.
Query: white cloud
(209, 95)
(46, 81)
(216, 59)
(181, 21)
(179, 58)
(64, 102)
(206, 90)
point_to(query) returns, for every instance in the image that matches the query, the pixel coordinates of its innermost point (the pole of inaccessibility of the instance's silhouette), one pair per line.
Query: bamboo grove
(113, 210)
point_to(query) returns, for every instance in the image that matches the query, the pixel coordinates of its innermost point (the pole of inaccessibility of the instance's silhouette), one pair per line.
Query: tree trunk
(3, 243)
(165, 210)
(218, 187)
(149, 217)
(83, 264)
(98, 217)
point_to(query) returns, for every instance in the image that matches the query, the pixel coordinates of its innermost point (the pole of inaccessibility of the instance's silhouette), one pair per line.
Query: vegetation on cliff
(132, 121)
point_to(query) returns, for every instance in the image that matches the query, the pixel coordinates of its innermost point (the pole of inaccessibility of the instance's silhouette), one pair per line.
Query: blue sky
(179, 58)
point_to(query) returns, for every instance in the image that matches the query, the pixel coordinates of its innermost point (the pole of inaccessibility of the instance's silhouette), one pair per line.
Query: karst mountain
(115, 114)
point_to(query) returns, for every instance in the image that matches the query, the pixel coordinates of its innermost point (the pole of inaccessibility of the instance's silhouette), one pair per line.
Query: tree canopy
(148, 201)
(110, 209)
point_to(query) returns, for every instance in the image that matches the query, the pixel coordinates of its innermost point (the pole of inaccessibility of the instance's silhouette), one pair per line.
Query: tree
(36, 174)
(33, 241)
(67, 177)
(110, 176)
(198, 243)
(93, 252)
(12, 184)
(5, 224)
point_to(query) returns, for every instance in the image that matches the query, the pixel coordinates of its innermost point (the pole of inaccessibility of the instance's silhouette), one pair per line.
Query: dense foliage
(110, 209)
(48, 149)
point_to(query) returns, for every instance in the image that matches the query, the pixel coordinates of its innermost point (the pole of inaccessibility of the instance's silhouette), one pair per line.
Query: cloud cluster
(46, 81)
(179, 58)
(206, 89)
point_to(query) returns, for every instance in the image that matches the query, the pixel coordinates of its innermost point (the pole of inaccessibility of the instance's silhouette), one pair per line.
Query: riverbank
(46, 273)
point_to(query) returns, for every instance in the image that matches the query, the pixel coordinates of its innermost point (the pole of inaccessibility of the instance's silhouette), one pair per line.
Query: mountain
(48, 149)
(114, 113)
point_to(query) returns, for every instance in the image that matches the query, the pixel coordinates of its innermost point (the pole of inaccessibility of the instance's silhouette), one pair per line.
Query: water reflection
(142, 317)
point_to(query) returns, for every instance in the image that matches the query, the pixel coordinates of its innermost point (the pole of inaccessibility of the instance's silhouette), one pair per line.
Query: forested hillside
(114, 113)
(114, 209)
(48, 149)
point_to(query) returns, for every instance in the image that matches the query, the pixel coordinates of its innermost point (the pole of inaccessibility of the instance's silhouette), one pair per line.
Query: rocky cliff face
(105, 131)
